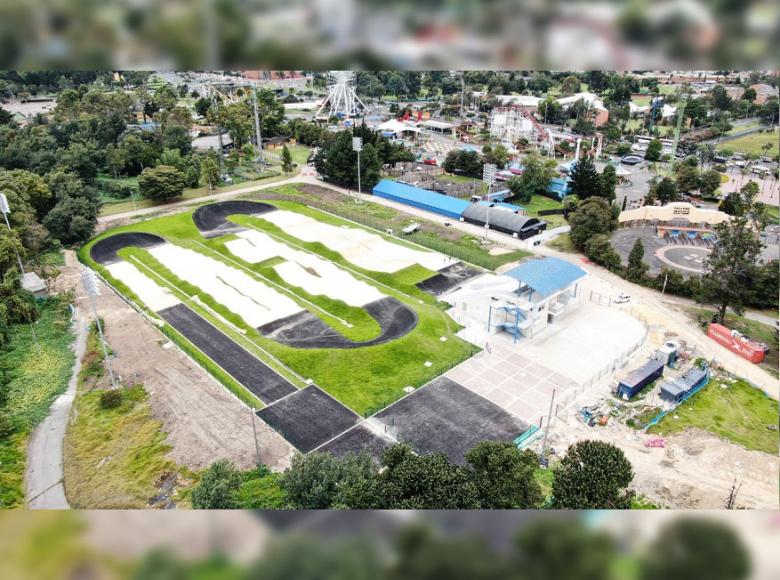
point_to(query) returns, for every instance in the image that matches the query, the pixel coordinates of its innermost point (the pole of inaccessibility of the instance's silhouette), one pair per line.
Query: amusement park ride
(342, 100)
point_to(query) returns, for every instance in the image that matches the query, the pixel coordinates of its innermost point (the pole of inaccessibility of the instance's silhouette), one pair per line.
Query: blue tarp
(421, 198)
(547, 275)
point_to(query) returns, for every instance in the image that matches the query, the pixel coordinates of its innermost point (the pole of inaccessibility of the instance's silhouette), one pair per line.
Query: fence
(657, 419)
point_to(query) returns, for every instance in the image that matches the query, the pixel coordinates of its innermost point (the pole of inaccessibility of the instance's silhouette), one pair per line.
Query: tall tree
(593, 216)
(161, 183)
(504, 476)
(209, 171)
(729, 270)
(585, 180)
(637, 267)
(535, 179)
(287, 160)
(608, 182)
(696, 548)
(654, 150)
(593, 475)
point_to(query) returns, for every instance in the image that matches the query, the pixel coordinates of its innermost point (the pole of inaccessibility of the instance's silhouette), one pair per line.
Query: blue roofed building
(406, 194)
(547, 289)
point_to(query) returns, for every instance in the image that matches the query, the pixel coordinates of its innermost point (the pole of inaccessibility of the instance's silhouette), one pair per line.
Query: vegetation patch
(115, 455)
(731, 409)
(35, 370)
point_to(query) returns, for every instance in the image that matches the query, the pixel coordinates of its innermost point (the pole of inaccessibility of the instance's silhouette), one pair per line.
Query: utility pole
(357, 147)
(258, 134)
(91, 286)
(254, 430)
(547, 429)
(5, 209)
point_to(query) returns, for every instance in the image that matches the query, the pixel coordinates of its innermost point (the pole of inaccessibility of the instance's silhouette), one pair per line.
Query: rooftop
(418, 195)
(547, 275)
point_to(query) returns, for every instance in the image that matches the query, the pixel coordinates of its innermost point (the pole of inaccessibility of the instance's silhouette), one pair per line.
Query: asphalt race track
(305, 330)
(105, 250)
(243, 366)
(359, 439)
(447, 279)
(212, 221)
(308, 418)
(444, 416)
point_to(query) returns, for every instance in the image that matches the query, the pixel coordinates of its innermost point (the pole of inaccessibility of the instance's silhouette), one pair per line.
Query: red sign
(744, 347)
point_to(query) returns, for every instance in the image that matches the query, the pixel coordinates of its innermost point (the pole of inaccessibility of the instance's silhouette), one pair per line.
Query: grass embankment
(364, 379)
(563, 243)
(539, 203)
(752, 144)
(34, 372)
(752, 328)
(734, 411)
(116, 457)
(380, 218)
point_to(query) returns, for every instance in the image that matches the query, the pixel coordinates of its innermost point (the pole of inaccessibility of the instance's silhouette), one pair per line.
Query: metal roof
(418, 196)
(547, 275)
(500, 217)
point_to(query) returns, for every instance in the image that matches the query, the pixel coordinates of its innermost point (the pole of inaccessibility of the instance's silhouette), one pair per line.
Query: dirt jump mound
(212, 221)
(105, 251)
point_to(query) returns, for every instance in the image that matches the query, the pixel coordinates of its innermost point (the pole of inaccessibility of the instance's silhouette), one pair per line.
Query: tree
(696, 548)
(720, 98)
(535, 179)
(321, 481)
(592, 475)
(504, 476)
(72, 220)
(570, 85)
(709, 182)
(730, 269)
(599, 249)
(688, 178)
(585, 180)
(665, 191)
(161, 183)
(654, 150)
(177, 137)
(749, 94)
(550, 549)
(202, 106)
(218, 487)
(593, 216)
(411, 481)
(609, 183)
(637, 268)
(209, 171)
(287, 160)
(115, 159)
(337, 162)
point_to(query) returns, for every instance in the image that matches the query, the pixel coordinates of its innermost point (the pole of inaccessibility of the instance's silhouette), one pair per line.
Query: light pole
(357, 147)
(5, 209)
(489, 177)
(258, 134)
(91, 286)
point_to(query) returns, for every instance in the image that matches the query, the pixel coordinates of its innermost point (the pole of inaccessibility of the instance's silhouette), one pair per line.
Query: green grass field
(113, 458)
(752, 144)
(37, 371)
(365, 379)
(732, 410)
(540, 202)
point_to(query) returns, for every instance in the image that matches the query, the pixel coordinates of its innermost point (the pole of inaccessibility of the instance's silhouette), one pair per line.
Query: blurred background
(374, 34)
(389, 545)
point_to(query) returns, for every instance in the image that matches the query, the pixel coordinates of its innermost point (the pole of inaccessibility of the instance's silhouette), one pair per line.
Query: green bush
(6, 426)
(111, 399)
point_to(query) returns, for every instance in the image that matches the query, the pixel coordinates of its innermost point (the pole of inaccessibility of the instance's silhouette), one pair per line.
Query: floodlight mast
(89, 280)
(489, 177)
(357, 147)
(5, 209)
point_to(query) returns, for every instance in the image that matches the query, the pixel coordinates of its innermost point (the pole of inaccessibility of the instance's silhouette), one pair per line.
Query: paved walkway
(44, 477)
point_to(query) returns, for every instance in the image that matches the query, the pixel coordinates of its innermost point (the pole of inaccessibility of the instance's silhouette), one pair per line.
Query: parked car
(622, 298)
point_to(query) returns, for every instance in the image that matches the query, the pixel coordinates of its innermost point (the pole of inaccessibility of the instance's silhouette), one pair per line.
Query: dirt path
(204, 422)
(695, 470)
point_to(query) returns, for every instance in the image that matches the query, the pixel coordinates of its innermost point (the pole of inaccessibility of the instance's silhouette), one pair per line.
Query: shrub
(6, 426)
(111, 399)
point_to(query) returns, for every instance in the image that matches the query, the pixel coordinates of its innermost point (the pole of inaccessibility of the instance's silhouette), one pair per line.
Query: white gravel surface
(304, 270)
(255, 302)
(362, 248)
(153, 295)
